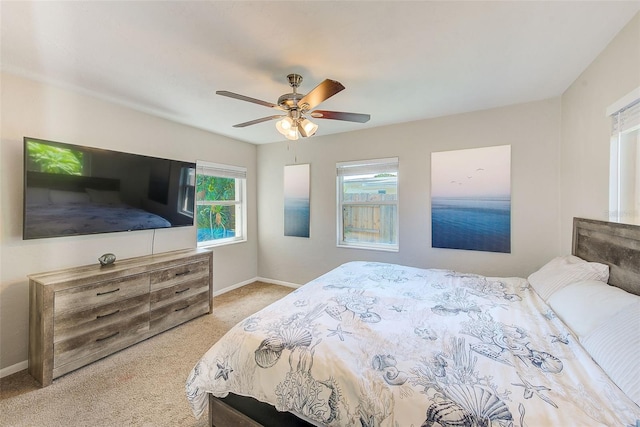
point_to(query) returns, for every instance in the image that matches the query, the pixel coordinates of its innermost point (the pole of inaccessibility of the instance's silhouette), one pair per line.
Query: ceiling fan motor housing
(289, 101)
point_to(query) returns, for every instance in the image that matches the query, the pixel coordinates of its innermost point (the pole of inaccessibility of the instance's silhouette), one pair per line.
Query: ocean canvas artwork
(471, 199)
(296, 200)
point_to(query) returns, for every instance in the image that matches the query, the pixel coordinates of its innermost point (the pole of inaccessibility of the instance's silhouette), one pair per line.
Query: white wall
(586, 128)
(532, 130)
(47, 112)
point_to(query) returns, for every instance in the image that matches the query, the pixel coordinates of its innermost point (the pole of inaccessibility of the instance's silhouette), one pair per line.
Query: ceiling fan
(297, 106)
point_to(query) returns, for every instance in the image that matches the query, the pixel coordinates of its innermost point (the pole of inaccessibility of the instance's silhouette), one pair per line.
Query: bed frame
(241, 411)
(614, 244)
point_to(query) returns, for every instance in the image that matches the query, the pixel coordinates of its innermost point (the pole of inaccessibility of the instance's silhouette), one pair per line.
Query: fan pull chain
(295, 152)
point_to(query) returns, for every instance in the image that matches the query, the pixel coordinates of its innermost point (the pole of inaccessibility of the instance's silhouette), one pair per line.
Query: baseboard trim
(9, 370)
(278, 282)
(255, 279)
(232, 287)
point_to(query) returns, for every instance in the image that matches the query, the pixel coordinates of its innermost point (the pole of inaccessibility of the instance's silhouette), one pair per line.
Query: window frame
(239, 174)
(362, 167)
(625, 127)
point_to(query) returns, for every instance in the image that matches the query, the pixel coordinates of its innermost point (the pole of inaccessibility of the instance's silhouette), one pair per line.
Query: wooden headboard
(614, 244)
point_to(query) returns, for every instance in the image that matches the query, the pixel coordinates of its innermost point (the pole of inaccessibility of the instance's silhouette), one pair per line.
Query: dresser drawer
(179, 274)
(179, 291)
(70, 324)
(105, 340)
(178, 312)
(102, 293)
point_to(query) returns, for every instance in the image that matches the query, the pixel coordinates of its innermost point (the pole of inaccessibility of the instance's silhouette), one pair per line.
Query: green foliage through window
(215, 188)
(219, 207)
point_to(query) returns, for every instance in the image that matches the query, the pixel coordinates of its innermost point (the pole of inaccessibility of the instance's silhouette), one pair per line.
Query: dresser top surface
(120, 268)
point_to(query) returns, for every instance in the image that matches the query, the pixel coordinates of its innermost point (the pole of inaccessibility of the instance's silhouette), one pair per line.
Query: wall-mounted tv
(72, 190)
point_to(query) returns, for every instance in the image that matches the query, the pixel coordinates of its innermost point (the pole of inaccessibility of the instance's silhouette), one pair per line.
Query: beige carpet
(142, 385)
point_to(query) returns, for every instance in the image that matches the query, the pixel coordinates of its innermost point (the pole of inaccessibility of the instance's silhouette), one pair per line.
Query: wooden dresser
(79, 315)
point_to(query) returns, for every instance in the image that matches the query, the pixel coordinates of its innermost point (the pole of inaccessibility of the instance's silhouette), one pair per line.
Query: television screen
(73, 190)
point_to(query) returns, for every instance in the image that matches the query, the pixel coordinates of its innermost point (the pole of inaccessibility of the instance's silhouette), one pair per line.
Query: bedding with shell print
(374, 344)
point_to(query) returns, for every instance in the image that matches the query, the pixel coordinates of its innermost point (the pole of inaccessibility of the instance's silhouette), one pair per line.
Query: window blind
(223, 171)
(364, 167)
(627, 119)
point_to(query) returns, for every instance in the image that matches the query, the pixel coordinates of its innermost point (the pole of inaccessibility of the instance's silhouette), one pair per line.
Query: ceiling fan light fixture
(292, 134)
(308, 127)
(284, 125)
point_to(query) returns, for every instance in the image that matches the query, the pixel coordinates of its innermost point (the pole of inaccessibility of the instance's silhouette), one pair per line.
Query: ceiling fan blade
(256, 121)
(338, 115)
(248, 99)
(323, 91)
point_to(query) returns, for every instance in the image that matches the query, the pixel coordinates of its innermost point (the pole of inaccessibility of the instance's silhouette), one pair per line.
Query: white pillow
(615, 346)
(105, 197)
(585, 305)
(564, 270)
(59, 196)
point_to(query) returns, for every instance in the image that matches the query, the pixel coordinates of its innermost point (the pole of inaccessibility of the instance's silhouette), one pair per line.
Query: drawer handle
(184, 290)
(100, 316)
(108, 292)
(107, 337)
(183, 273)
(182, 308)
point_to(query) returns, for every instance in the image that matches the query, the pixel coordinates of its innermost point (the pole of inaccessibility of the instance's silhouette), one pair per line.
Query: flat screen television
(72, 190)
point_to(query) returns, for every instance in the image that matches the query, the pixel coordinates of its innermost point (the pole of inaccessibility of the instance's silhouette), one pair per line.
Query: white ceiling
(399, 61)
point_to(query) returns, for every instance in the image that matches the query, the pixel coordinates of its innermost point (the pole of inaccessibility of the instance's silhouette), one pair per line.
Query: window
(221, 209)
(624, 179)
(368, 204)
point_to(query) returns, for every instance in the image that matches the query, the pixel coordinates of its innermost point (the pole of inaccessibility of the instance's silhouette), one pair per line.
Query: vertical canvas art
(471, 199)
(296, 200)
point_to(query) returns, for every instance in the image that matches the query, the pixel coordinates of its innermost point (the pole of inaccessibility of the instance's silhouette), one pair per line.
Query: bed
(374, 344)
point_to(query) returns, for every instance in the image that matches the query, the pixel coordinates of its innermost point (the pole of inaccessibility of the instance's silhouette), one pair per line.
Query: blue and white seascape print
(471, 199)
(296, 200)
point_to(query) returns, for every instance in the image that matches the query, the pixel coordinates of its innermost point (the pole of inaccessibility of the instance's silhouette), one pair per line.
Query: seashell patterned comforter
(375, 344)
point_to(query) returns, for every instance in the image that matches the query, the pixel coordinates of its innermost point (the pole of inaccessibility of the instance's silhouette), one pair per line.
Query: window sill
(211, 245)
(385, 248)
